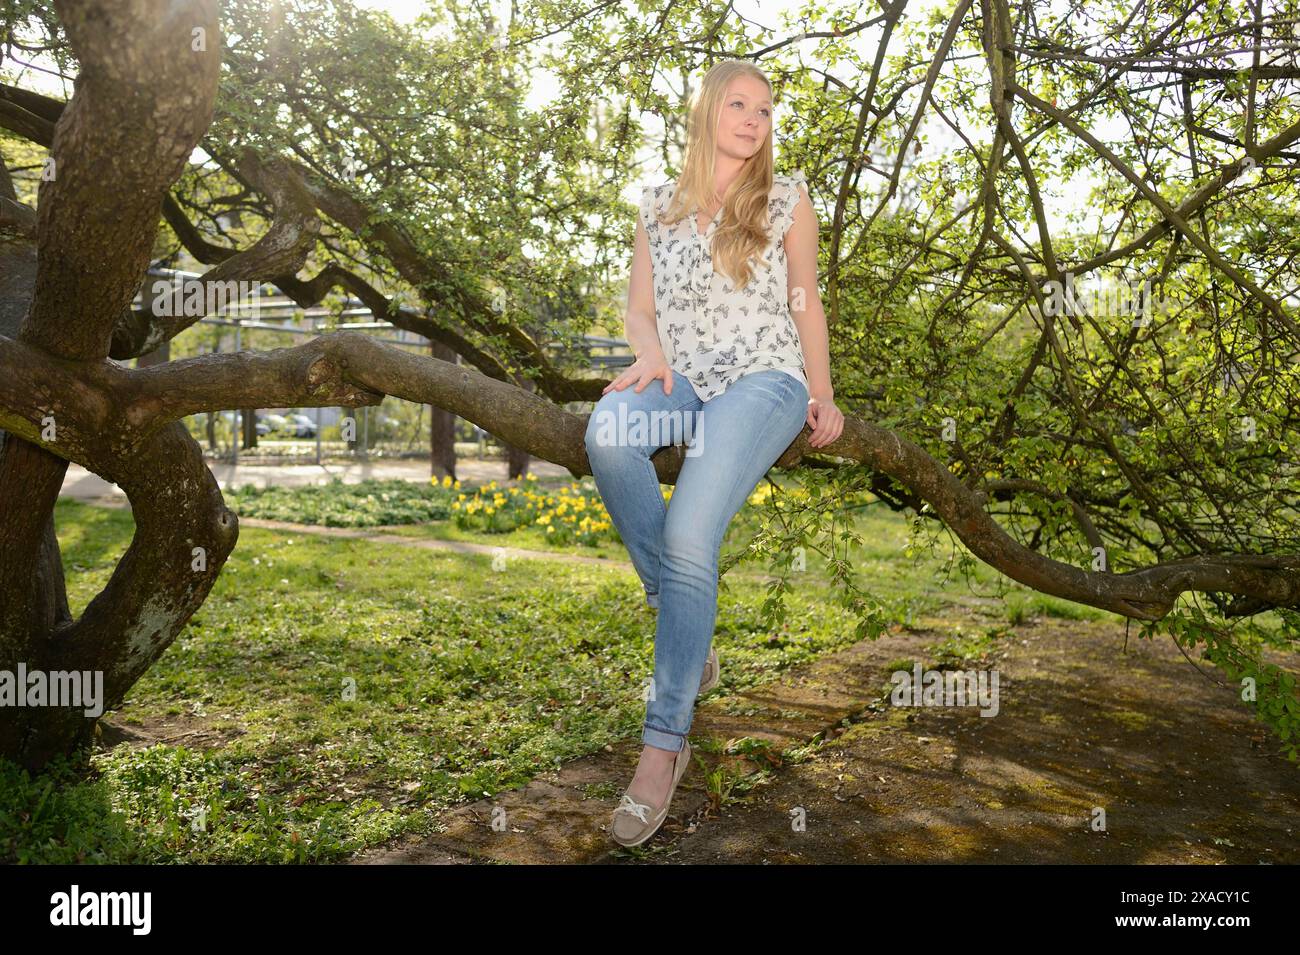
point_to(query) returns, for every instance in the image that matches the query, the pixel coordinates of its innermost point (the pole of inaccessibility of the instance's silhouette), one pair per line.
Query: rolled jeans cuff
(652, 736)
(652, 600)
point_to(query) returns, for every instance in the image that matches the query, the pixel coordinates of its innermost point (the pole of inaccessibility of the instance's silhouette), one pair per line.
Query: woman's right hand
(644, 370)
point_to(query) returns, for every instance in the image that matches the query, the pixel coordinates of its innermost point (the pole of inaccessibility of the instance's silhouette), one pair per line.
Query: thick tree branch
(183, 534)
(117, 128)
(138, 332)
(283, 250)
(321, 371)
(17, 219)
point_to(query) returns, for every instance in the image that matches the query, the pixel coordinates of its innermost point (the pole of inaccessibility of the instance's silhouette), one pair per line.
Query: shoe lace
(629, 805)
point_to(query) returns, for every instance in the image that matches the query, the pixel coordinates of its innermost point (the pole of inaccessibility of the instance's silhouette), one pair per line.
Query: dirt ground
(1183, 772)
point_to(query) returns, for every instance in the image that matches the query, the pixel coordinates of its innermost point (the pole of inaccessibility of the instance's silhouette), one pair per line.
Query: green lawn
(364, 688)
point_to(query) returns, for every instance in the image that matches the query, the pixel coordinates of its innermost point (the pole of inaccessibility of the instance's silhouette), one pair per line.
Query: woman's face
(746, 117)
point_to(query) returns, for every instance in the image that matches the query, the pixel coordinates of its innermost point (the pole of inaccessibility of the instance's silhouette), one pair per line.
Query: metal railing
(604, 354)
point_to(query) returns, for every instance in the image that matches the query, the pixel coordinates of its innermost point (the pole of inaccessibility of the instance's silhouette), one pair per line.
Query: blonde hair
(742, 232)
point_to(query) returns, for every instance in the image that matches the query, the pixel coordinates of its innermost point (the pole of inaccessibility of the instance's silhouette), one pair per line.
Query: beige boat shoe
(633, 822)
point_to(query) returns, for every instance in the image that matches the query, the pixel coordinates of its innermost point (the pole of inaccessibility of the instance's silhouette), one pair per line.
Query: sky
(544, 88)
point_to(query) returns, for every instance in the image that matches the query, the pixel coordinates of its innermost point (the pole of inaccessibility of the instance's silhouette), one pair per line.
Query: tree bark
(442, 426)
(248, 425)
(118, 138)
(517, 458)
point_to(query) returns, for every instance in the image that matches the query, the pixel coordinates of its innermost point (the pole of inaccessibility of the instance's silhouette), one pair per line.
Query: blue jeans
(732, 440)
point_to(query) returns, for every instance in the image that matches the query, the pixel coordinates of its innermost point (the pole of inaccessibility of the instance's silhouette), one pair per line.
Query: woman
(731, 352)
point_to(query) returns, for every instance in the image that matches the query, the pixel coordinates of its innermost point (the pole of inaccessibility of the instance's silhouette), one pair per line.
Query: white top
(709, 331)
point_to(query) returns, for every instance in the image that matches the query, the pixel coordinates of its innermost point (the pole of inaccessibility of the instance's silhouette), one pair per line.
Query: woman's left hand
(826, 421)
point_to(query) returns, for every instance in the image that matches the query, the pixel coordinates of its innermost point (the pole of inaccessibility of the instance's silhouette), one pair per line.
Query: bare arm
(806, 300)
(826, 420)
(639, 324)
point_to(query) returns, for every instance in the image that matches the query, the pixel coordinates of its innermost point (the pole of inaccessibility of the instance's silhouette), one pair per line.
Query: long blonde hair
(742, 232)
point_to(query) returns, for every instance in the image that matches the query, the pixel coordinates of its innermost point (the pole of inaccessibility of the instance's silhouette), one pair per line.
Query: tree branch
(117, 131)
(1227, 268)
(323, 371)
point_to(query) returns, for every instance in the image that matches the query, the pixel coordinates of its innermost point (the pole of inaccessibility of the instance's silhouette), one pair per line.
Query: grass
(371, 686)
(369, 503)
(346, 691)
(536, 515)
(1022, 606)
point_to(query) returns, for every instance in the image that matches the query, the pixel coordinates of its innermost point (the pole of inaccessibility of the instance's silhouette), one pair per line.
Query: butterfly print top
(709, 331)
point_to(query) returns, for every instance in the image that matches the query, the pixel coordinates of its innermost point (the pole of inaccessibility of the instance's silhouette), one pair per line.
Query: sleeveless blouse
(709, 331)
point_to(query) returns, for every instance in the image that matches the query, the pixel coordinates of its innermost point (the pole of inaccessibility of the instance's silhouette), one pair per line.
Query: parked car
(268, 423)
(301, 426)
